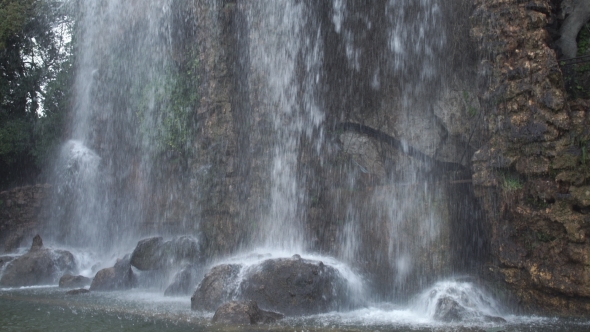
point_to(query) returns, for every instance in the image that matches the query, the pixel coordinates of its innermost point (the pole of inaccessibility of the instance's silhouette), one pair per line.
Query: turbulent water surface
(50, 309)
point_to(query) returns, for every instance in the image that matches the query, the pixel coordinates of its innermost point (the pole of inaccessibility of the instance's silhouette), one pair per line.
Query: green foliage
(511, 182)
(577, 76)
(471, 110)
(174, 97)
(544, 237)
(584, 42)
(32, 55)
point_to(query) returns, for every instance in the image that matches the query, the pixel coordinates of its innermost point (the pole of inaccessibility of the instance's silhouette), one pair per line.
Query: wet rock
(38, 266)
(244, 313)
(77, 291)
(148, 254)
(156, 254)
(4, 260)
(184, 282)
(118, 277)
(294, 286)
(494, 319)
(37, 243)
(216, 287)
(71, 281)
(449, 310)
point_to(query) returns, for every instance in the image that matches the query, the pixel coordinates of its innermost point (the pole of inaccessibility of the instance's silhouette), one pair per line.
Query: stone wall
(20, 215)
(533, 173)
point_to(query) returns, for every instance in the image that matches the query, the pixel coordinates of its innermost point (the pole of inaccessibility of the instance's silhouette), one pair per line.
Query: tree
(571, 27)
(34, 70)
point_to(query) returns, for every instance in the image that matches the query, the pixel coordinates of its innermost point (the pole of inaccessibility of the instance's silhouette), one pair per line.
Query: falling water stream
(114, 173)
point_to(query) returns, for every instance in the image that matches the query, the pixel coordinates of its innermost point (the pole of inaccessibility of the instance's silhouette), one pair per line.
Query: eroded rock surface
(532, 174)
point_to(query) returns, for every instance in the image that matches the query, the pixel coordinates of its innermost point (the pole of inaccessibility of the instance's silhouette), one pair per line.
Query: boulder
(71, 281)
(156, 254)
(217, 287)
(118, 277)
(184, 282)
(39, 266)
(148, 254)
(294, 286)
(243, 313)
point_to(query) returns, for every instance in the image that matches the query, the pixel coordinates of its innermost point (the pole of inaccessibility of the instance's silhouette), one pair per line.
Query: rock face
(243, 313)
(40, 266)
(532, 172)
(118, 277)
(20, 215)
(294, 286)
(156, 254)
(217, 287)
(70, 281)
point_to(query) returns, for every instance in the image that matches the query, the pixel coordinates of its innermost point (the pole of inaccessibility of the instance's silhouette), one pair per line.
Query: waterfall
(234, 122)
(104, 170)
(286, 58)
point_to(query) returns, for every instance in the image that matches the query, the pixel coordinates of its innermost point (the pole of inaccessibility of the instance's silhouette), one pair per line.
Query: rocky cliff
(532, 173)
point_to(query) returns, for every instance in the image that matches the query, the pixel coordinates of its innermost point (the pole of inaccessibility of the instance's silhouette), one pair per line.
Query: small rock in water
(244, 313)
(118, 277)
(70, 281)
(77, 291)
(448, 310)
(494, 319)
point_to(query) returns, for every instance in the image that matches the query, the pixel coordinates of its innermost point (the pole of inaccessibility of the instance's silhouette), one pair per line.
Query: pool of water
(51, 309)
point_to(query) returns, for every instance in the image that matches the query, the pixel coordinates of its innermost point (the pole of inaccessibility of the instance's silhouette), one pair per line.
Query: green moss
(511, 182)
(471, 110)
(544, 237)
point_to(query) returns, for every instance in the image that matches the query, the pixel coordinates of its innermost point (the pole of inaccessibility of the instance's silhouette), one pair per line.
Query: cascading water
(121, 123)
(286, 56)
(401, 75)
(153, 148)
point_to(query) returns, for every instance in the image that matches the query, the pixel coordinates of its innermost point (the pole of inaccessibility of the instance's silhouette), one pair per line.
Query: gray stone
(118, 277)
(294, 286)
(243, 313)
(71, 281)
(449, 310)
(78, 291)
(216, 287)
(38, 266)
(156, 254)
(184, 282)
